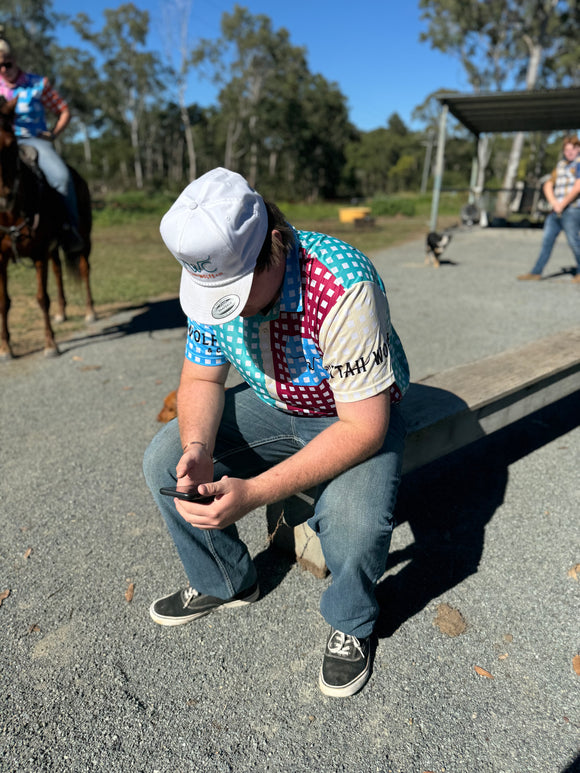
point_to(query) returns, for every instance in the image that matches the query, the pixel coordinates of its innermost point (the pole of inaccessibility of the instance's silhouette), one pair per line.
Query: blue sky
(370, 48)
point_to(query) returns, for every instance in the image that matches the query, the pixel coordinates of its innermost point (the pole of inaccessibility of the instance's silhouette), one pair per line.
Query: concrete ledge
(449, 410)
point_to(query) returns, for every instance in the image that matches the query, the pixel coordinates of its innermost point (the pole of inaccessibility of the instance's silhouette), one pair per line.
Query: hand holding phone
(189, 493)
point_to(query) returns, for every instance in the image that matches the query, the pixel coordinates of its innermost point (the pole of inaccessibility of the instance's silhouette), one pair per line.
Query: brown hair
(273, 250)
(570, 139)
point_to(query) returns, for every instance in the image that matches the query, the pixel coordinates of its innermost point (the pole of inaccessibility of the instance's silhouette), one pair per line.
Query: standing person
(562, 191)
(35, 96)
(304, 319)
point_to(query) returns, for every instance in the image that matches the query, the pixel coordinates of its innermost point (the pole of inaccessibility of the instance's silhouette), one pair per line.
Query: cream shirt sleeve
(354, 340)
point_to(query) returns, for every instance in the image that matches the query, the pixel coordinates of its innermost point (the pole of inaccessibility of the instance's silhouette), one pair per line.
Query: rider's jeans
(353, 514)
(56, 172)
(569, 222)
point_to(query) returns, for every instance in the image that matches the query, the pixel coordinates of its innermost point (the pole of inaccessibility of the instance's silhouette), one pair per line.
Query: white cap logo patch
(225, 307)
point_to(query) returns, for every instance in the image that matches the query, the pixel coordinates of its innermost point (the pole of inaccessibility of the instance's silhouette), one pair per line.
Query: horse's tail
(72, 264)
(73, 261)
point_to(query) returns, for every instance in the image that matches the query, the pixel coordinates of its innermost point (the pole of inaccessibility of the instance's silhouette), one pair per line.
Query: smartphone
(189, 493)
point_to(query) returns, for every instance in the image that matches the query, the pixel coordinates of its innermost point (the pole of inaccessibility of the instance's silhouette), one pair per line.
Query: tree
(177, 13)
(499, 41)
(131, 73)
(29, 26)
(278, 121)
(250, 61)
(78, 74)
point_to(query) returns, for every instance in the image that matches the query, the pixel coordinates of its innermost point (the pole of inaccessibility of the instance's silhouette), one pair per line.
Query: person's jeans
(56, 172)
(353, 513)
(569, 222)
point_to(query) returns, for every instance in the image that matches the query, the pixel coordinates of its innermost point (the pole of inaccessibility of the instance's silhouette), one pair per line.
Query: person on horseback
(35, 96)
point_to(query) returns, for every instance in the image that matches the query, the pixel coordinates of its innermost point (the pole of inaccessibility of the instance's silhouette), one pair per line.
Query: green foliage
(131, 206)
(392, 205)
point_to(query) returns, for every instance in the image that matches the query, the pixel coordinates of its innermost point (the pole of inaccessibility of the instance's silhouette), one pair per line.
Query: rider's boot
(70, 239)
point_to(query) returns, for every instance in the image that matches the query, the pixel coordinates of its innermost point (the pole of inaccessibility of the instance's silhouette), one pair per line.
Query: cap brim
(214, 305)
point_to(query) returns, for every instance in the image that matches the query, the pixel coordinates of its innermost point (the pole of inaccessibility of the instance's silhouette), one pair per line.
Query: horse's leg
(60, 316)
(5, 348)
(85, 270)
(50, 347)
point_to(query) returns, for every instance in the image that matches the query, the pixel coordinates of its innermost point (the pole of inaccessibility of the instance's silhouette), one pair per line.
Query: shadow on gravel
(574, 767)
(153, 317)
(448, 504)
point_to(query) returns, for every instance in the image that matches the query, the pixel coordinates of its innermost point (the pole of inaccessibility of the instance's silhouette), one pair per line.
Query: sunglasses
(6, 65)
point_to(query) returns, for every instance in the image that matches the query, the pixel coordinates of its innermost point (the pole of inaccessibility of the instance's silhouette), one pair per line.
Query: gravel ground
(480, 574)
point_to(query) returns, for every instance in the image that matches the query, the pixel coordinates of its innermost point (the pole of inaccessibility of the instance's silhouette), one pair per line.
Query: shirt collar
(291, 294)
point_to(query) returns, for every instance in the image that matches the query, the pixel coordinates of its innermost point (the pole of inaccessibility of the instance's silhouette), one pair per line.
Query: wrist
(195, 443)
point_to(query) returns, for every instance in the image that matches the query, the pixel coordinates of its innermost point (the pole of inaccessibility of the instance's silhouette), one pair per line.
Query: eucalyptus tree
(499, 42)
(30, 27)
(278, 120)
(78, 74)
(250, 62)
(326, 132)
(130, 73)
(176, 15)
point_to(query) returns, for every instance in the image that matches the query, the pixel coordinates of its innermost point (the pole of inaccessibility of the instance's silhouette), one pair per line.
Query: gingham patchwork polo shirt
(329, 335)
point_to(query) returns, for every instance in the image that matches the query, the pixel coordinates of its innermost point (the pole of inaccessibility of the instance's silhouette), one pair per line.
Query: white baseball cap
(216, 229)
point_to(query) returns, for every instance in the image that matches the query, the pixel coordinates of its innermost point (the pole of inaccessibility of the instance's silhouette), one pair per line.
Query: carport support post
(474, 175)
(438, 168)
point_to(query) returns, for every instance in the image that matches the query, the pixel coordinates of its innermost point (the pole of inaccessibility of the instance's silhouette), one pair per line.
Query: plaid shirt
(565, 175)
(35, 95)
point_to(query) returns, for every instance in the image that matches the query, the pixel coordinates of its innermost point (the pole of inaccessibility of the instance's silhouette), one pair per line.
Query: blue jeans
(569, 222)
(56, 172)
(353, 515)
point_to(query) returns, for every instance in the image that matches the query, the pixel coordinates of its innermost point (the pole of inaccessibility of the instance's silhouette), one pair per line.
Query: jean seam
(216, 558)
(254, 444)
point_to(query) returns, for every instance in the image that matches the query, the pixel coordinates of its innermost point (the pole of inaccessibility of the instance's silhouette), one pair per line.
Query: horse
(31, 216)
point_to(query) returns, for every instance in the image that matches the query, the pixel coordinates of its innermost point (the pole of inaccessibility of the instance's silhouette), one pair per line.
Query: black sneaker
(346, 666)
(189, 604)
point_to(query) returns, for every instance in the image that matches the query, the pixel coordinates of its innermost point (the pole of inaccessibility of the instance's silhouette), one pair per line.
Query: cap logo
(225, 306)
(200, 267)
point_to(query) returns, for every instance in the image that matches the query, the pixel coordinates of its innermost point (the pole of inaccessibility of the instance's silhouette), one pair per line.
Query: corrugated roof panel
(512, 111)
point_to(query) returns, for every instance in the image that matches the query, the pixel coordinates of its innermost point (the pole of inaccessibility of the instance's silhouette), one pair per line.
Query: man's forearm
(199, 410)
(339, 447)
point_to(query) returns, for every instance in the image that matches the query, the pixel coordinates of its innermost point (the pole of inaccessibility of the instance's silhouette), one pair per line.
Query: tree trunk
(234, 130)
(273, 161)
(503, 200)
(137, 150)
(188, 131)
(87, 146)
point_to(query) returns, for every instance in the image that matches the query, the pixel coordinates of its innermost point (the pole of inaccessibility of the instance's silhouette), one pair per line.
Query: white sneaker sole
(348, 689)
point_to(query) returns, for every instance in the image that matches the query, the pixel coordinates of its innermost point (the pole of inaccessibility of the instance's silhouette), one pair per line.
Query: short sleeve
(355, 342)
(202, 346)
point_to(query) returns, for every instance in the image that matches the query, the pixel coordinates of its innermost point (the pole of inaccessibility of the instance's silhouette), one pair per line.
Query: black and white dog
(435, 244)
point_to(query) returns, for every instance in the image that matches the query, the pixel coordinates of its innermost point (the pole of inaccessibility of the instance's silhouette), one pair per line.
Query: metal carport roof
(504, 111)
(512, 111)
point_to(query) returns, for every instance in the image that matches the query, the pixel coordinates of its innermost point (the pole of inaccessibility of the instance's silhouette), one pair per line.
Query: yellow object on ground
(350, 214)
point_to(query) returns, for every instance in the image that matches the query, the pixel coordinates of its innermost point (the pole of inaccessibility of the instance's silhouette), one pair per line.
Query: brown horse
(31, 216)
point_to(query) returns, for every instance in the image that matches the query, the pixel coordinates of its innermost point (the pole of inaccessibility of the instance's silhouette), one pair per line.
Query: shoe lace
(342, 644)
(188, 594)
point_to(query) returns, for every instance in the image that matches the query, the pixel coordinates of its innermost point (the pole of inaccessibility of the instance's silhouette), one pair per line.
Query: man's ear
(277, 246)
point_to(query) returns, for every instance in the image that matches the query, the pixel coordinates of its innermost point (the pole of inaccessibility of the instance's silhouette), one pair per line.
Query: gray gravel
(89, 682)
